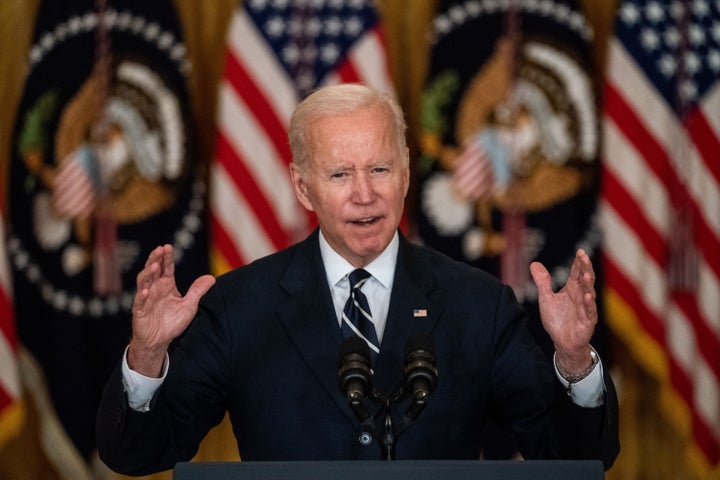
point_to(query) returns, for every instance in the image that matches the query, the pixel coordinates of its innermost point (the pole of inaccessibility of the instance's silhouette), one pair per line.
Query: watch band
(576, 377)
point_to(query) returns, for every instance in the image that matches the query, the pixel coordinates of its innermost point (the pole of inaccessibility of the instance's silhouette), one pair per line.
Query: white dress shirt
(377, 288)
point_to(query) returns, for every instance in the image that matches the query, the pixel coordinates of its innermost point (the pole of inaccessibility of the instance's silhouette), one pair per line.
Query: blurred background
(536, 127)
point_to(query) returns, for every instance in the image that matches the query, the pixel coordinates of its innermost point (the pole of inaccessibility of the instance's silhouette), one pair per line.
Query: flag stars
(458, 15)
(137, 25)
(546, 8)
(61, 32)
(677, 10)
(443, 25)
(152, 31)
(333, 26)
(671, 37)
(257, 5)
(308, 54)
(474, 9)
(716, 31)
(700, 8)
(291, 54)
(74, 23)
(696, 34)
(165, 41)
(577, 21)
(305, 81)
(275, 26)
(464, 12)
(123, 20)
(629, 14)
(692, 63)
(562, 12)
(654, 12)
(329, 53)
(649, 39)
(667, 65)
(688, 90)
(713, 60)
(47, 41)
(353, 26)
(110, 18)
(295, 26)
(34, 274)
(314, 26)
(89, 21)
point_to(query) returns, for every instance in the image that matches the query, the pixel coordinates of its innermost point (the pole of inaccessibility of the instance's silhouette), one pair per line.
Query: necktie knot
(358, 278)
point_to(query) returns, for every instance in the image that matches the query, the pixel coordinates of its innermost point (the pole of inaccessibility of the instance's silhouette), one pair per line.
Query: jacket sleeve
(531, 401)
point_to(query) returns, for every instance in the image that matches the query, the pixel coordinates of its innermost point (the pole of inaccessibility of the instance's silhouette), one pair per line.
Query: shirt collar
(382, 268)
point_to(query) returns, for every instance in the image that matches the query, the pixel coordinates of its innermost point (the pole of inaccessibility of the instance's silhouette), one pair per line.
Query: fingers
(541, 277)
(159, 262)
(582, 271)
(199, 288)
(168, 261)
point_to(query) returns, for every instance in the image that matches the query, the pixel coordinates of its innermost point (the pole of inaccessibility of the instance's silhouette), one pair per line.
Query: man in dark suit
(264, 342)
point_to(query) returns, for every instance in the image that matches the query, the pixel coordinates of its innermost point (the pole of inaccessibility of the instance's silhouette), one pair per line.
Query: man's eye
(380, 169)
(338, 175)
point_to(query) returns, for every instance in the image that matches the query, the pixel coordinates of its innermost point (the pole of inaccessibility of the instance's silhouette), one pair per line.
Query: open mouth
(366, 221)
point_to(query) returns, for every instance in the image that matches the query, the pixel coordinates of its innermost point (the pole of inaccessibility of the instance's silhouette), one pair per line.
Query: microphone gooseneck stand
(355, 375)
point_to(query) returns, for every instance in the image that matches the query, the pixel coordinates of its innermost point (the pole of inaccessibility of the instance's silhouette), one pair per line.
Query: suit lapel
(309, 317)
(414, 308)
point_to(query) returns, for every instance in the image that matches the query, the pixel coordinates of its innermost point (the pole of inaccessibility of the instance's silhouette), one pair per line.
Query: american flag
(277, 52)
(661, 206)
(10, 411)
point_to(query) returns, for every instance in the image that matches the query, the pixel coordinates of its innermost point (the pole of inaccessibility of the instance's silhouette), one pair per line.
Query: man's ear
(406, 173)
(300, 187)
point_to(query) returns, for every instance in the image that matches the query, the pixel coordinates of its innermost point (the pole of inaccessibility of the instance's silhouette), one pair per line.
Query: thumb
(542, 279)
(199, 288)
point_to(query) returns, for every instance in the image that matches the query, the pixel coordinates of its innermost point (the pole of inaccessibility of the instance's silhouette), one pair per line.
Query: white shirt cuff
(139, 388)
(587, 392)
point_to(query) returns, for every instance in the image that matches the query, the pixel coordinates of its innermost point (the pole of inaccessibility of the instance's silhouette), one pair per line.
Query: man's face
(355, 182)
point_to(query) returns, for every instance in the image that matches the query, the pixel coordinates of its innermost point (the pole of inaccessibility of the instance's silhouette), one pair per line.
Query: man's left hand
(570, 315)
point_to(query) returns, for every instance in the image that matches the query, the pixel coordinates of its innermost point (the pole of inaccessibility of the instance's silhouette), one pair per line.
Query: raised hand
(160, 313)
(570, 315)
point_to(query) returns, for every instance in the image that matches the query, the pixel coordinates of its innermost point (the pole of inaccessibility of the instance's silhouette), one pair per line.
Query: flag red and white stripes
(10, 412)
(657, 163)
(276, 53)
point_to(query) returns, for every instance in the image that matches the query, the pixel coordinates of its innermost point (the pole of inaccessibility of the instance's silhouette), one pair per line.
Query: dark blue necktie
(357, 319)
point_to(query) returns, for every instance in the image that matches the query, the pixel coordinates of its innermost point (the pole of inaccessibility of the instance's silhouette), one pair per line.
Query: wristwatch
(576, 377)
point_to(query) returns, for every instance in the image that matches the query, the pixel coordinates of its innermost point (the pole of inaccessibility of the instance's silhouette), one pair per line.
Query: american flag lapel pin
(419, 313)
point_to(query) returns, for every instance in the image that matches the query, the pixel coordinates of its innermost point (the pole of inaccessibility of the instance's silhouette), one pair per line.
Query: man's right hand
(159, 312)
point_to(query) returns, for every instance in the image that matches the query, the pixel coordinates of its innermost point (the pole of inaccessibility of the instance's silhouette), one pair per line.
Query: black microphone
(421, 374)
(354, 374)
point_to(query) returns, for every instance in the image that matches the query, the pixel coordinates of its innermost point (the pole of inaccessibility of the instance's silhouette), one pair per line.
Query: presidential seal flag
(102, 170)
(509, 139)
(277, 52)
(661, 212)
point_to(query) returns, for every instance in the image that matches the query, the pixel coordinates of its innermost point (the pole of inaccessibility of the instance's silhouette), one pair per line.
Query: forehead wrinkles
(365, 134)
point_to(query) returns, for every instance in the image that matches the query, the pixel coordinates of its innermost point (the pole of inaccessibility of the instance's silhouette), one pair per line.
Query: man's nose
(362, 188)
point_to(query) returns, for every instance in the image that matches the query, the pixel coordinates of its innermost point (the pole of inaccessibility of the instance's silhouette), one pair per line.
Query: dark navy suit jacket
(265, 345)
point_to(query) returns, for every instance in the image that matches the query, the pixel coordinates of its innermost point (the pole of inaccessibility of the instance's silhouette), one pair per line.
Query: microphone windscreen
(354, 345)
(422, 341)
